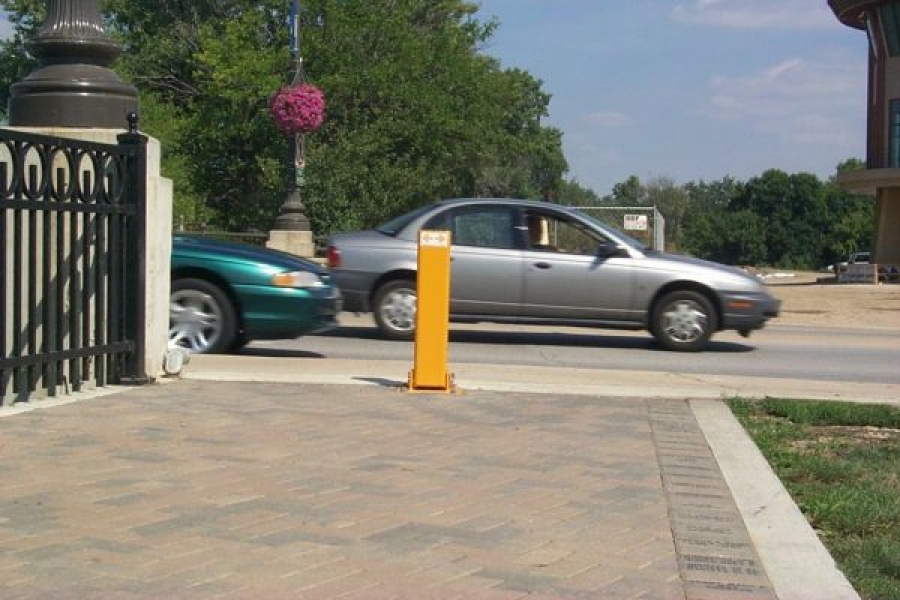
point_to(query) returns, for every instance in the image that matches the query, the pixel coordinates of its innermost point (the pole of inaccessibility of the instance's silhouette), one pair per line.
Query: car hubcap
(195, 320)
(684, 322)
(399, 310)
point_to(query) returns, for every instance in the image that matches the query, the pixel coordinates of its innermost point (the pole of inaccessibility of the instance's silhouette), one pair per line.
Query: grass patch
(841, 464)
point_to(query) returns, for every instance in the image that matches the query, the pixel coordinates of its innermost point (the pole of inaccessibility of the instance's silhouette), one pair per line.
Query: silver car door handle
(543, 265)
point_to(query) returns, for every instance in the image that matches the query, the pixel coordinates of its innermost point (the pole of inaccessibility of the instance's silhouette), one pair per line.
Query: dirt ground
(806, 302)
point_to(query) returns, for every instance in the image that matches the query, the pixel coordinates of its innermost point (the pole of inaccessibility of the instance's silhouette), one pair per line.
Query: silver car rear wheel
(395, 309)
(683, 321)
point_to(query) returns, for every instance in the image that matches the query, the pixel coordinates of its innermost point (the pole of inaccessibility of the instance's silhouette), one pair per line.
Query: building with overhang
(880, 19)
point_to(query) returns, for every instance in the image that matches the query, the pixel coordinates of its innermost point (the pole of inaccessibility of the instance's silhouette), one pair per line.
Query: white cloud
(784, 68)
(758, 14)
(797, 101)
(608, 119)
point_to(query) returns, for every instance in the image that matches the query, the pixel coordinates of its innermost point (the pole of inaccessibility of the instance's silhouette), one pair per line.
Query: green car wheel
(201, 317)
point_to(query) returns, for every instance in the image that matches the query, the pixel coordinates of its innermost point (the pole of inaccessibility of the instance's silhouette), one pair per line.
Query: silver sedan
(531, 262)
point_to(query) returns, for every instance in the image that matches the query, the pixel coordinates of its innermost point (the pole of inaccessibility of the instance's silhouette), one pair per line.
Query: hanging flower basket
(298, 108)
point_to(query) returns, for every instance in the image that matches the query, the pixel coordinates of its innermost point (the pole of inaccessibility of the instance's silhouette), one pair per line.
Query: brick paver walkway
(277, 491)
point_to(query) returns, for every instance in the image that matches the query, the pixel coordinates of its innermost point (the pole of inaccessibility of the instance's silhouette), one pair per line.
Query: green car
(226, 294)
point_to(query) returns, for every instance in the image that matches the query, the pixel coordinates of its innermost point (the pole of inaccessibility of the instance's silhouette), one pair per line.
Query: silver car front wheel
(684, 321)
(395, 309)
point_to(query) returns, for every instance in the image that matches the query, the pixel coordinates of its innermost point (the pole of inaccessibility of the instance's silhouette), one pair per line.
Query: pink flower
(298, 109)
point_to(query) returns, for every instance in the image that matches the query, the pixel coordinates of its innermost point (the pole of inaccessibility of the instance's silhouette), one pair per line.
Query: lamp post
(292, 216)
(73, 85)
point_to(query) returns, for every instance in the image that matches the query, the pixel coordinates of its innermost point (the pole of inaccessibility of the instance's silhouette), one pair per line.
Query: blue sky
(690, 90)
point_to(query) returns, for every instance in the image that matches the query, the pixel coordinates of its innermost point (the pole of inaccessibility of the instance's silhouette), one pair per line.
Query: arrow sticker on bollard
(435, 239)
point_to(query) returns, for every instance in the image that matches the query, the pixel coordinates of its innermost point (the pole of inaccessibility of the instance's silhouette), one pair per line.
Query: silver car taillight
(334, 257)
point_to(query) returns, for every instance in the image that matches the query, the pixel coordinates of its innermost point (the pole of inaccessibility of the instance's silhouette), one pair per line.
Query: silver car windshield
(397, 224)
(619, 235)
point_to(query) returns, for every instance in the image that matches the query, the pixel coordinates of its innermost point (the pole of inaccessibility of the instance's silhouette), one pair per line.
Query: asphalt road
(779, 351)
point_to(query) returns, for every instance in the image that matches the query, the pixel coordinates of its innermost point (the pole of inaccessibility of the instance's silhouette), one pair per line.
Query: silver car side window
(484, 227)
(570, 237)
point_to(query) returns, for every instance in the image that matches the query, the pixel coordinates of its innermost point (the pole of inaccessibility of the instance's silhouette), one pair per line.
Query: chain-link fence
(643, 223)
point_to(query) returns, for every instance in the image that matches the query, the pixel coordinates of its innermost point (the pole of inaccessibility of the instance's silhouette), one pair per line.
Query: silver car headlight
(298, 279)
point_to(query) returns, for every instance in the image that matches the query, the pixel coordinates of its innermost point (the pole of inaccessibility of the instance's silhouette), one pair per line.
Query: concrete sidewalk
(248, 478)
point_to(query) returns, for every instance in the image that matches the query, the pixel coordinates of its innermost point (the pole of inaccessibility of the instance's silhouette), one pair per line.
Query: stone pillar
(75, 94)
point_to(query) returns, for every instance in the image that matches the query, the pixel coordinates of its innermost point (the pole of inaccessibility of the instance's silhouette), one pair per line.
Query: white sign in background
(636, 222)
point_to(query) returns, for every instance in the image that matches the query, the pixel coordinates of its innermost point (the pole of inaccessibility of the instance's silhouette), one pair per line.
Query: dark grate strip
(715, 554)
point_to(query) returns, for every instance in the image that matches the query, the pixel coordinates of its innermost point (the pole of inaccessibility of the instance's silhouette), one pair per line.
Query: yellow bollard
(432, 313)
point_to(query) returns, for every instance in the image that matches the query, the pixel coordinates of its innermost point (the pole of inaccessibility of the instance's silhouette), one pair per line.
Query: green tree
(745, 242)
(428, 116)
(793, 221)
(16, 63)
(535, 151)
(574, 194)
(705, 195)
(795, 214)
(190, 211)
(851, 217)
(704, 232)
(630, 192)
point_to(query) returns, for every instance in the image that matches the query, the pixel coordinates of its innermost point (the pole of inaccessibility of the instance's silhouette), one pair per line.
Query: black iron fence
(72, 232)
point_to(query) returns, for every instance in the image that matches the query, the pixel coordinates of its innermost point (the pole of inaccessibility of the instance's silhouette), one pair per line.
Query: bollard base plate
(447, 387)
